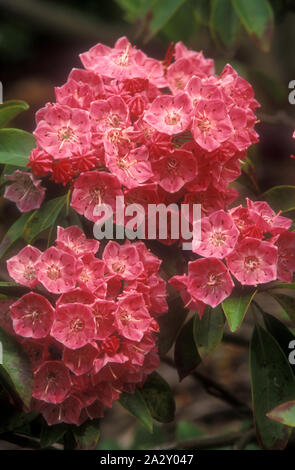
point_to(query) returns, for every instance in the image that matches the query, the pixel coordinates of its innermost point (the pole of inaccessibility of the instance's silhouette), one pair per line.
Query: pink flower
(92, 274)
(181, 283)
(286, 253)
(26, 191)
(21, 267)
(66, 412)
(122, 260)
(131, 169)
(174, 170)
(170, 114)
(109, 114)
(80, 361)
(92, 189)
(57, 270)
(32, 316)
(74, 325)
(210, 124)
(219, 235)
(103, 311)
(209, 281)
(122, 62)
(253, 261)
(81, 296)
(62, 130)
(132, 318)
(73, 239)
(52, 382)
(75, 94)
(264, 216)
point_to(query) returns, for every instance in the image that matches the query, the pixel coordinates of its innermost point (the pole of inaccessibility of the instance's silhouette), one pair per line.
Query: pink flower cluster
(251, 243)
(97, 338)
(152, 131)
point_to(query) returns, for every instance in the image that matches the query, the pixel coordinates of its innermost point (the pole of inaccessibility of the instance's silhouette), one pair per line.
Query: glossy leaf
(43, 218)
(10, 109)
(281, 198)
(87, 435)
(288, 304)
(159, 398)
(52, 434)
(208, 331)
(281, 333)
(258, 20)
(15, 147)
(14, 233)
(16, 370)
(224, 23)
(156, 14)
(272, 383)
(202, 12)
(170, 324)
(284, 413)
(186, 355)
(136, 405)
(236, 305)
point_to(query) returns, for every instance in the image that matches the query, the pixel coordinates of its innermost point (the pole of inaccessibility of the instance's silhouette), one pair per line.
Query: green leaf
(10, 109)
(14, 233)
(236, 306)
(132, 8)
(135, 404)
(87, 435)
(202, 12)
(224, 23)
(281, 198)
(186, 430)
(170, 324)
(159, 398)
(43, 218)
(52, 434)
(16, 369)
(258, 20)
(186, 355)
(272, 383)
(158, 14)
(15, 146)
(280, 332)
(288, 304)
(208, 331)
(284, 413)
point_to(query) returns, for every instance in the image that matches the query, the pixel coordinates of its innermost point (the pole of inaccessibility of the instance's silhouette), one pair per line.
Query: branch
(204, 442)
(215, 389)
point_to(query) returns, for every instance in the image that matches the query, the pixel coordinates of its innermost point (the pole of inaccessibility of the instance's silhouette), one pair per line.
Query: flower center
(118, 267)
(77, 325)
(123, 59)
(251, 263)
(172, 118)
(172, 164)
(29, 273)
(53, 272)
(96, 195)
(217, 238)
(214, 279)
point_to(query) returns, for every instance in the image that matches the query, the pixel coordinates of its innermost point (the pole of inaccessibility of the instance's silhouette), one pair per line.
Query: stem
(204, 442)
(216, 389)
(244, 440)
